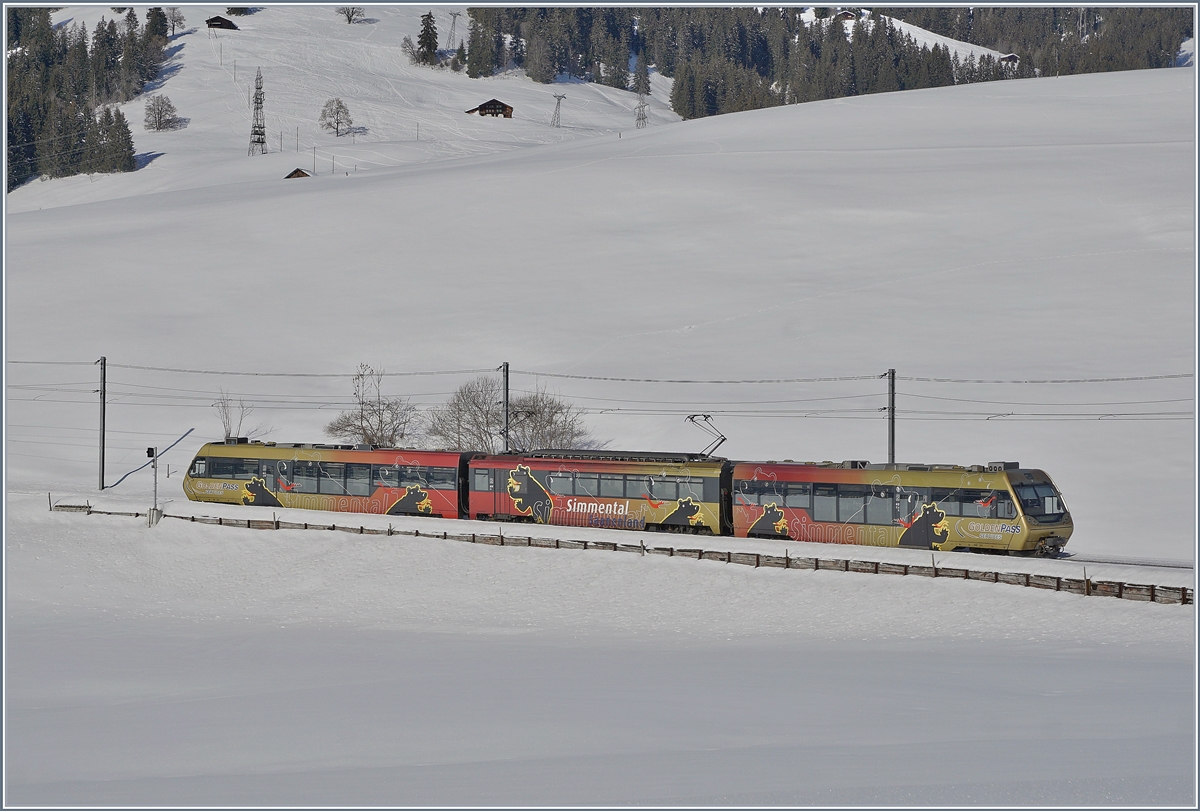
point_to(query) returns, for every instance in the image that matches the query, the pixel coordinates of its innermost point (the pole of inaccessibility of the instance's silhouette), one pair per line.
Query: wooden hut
(494, 107)
(1009, 59)
(220, 22)
(297, 173)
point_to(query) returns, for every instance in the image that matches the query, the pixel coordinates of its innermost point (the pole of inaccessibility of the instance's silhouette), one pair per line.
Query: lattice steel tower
(258, 129)
(454, 15)
(641, 111)
(554, 121)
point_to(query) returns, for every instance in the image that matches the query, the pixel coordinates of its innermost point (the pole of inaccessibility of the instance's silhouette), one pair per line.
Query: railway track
(1152, 563)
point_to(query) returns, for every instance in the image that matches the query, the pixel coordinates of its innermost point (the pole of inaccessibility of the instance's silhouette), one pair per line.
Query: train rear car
(341, 478)
(998, 507)
(602, 489)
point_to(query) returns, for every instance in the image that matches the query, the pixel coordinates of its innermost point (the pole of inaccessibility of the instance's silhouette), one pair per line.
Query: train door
(483, 494)
(909, 508)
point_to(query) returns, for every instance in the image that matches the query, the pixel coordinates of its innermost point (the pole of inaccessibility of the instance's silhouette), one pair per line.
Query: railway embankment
(1155, 584)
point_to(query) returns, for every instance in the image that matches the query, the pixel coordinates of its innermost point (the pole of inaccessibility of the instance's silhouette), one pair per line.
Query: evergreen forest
(731, 59)
(63, 87)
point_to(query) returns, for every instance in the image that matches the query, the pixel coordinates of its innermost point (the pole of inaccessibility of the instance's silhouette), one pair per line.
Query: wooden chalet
(220, 22)
(297, 173)
(494, 107)
(846, 15)
(1009, 59)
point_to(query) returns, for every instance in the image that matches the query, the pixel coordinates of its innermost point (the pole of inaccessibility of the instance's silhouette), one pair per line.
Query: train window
(442, 478)
(637, 487)
(587, 484)
(358, 480)
(384, 476)
(482, 480)
(331, 478)
(825, 502)
(743, 495)
(712, 489)
(664, 488)
(978, 503)
(304, 477)
(1040, 500)
(851, 504)
(691, 488)
(948, 501)
(199, 465)
(414, 474)
(244, 469)
(612, 485)
(1005, 507)
(799, 496)
(879, 506)
(561, 483)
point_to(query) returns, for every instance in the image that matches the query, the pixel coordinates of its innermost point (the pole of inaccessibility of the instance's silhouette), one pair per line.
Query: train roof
(862, 464)
(613, 456)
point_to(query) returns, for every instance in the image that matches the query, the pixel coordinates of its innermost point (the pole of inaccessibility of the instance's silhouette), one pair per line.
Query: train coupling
(1050, 547)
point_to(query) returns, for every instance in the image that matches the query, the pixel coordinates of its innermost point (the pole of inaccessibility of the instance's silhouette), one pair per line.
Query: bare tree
(409, 49)
(175, 19)
(539, 419)
(160, 113)
(334, 116)
(234, 415)
(386, 422)
(352, 13)
(473, 420)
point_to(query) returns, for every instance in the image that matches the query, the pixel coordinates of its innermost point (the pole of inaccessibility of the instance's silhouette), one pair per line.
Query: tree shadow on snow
(366, 21)
(355, 131)
(166, 72)
(145, 159)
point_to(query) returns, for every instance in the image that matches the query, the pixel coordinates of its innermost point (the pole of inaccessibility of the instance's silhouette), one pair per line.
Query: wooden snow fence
(1174, 595)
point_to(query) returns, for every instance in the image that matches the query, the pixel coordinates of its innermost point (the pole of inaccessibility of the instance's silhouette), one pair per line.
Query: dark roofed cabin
(297, 173)
(1009, 59)
(220, 22)
(495, 107)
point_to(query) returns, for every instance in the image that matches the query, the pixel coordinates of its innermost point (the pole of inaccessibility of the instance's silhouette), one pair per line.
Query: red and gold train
(998, 507)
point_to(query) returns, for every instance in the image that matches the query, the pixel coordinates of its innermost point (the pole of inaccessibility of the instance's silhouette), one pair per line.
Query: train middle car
(342, 478)
(603, 489)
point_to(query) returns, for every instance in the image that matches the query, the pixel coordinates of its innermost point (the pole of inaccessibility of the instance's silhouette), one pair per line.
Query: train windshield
(1041, 501)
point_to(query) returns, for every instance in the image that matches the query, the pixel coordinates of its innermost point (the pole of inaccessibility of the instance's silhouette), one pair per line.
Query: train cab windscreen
(1041, 502)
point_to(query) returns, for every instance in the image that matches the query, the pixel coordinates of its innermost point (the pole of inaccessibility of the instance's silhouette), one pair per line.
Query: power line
(723, 382)
(1065, 380)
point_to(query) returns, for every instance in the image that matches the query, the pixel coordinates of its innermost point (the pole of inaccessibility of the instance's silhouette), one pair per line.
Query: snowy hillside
(1022, 253)
(990, 232)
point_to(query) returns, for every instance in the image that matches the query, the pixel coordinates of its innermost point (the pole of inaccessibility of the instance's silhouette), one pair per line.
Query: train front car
(986, 508)
(340, 478)
(601, 489)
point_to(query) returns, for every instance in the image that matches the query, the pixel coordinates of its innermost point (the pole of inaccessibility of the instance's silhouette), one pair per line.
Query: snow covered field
(1033, 230)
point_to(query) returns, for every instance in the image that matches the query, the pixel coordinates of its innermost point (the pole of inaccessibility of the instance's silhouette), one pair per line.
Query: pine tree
(120, 144)
(481, 54)
(427, 40)
(156, 22)
(641, 76)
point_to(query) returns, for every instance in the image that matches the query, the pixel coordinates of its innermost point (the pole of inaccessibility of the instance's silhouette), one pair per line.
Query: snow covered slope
(1025, 230)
